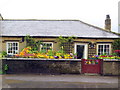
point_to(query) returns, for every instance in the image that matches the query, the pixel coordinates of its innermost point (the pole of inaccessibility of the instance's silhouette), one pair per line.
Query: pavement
(58, 81)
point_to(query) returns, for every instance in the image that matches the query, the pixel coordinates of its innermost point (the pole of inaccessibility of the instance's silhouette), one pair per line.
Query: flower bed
(28, 52)
(50, 54)
(106, 57)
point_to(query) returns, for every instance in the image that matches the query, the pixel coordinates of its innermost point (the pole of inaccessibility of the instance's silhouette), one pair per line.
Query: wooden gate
(92, 66)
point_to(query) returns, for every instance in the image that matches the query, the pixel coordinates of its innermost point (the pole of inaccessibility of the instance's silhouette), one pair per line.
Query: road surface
(59, 81)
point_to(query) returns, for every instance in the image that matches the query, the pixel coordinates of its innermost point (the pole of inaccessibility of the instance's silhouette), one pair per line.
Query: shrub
(4, 54)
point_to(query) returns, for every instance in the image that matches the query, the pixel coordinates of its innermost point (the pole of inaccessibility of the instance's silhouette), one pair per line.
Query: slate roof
(52, 28)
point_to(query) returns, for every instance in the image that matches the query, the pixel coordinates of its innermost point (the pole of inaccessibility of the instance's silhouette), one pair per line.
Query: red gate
(92, 66)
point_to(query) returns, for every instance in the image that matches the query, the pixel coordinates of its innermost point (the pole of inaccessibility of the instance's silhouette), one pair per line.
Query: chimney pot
(107, 16)
(108, 23)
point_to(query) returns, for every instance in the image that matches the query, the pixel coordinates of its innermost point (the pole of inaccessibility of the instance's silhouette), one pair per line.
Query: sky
(90, 11)
(119, 17)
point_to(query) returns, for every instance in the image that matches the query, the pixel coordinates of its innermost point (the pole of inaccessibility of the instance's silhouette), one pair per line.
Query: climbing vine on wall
(66, 43)
(32, 43)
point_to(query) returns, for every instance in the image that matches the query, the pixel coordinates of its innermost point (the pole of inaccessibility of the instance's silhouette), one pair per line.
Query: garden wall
(55, 66)
(43, 66)
(111, 67)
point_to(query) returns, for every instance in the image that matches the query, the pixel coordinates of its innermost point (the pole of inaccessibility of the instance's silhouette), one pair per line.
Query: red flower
(117, 51)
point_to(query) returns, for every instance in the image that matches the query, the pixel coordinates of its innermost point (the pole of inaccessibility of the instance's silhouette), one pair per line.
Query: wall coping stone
(43, 59)
(54, 59)
(111, 60)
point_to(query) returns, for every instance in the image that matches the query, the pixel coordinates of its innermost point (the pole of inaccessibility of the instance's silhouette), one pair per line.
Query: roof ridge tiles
(40, 20)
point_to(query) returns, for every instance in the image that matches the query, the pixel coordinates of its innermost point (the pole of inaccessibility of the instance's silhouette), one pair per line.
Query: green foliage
(4, 53)
(6, 67)
(43, 51)
(1, 72)
(61, 51)
(29, 41)
(50, 53)
(104, 54)
(114, 54)
(65, 39)
(116, 44)
(32, 43)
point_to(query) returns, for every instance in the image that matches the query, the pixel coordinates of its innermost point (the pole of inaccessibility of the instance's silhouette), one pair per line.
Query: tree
(116, 44)
(116, 47)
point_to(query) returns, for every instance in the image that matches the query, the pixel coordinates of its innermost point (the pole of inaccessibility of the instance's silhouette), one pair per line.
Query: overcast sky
(90, 11)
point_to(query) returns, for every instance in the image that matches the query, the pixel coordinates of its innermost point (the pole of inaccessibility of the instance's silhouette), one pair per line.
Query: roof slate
(52, 28)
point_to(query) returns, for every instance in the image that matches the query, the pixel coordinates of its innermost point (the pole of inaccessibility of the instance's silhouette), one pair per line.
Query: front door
(81, 50)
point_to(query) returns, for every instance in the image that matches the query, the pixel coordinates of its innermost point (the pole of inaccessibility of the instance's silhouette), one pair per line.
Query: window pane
(98, 46)
(103, 49)
(50, 44)
(98, 53)
(16, 48)
(10, 51)
(16, 44)
(12, 47)
(13, 52)
(107, 46)
(13, 44)
(46, 46)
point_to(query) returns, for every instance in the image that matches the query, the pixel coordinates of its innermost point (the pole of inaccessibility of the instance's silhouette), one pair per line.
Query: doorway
(81, 50)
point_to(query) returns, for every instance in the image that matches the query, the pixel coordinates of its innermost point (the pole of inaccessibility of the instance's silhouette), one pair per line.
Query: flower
(117, 51)
(28, 52)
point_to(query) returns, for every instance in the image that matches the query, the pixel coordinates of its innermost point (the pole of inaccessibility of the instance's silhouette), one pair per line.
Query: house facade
(91, 40)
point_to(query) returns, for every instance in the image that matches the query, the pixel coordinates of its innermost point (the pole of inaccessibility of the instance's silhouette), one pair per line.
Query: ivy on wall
(66, 43)
(32, 43)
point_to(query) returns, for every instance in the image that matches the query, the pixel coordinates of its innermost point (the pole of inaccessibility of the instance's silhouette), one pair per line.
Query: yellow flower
(27, 51)
(31, 56)
(22, 53)
(60, 57)
(40, 56)
(51, 57)
(47, 57)
(70, 57)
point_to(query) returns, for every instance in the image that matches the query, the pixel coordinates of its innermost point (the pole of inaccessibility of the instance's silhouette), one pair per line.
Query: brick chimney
(1, 18)
(108, 23)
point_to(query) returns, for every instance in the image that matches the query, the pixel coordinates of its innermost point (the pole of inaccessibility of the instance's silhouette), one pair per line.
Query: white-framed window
(12, 48)
(46, 46)
(103, 49)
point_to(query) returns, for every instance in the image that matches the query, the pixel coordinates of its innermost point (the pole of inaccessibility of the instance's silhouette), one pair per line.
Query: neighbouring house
(90, 39)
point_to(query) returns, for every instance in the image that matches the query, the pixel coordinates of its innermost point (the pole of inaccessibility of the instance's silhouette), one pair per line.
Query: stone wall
(43, 66)
(47, 66)
(111, 68)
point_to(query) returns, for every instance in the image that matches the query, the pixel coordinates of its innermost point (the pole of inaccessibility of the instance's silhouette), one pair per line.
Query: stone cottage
(90, 39)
